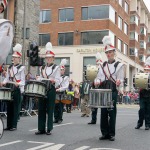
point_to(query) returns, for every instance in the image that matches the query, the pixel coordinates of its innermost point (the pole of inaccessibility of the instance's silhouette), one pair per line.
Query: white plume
(98, 56)
(106, 40)
(63, 62)
(17, 48)
(48, 46)
(147, 61)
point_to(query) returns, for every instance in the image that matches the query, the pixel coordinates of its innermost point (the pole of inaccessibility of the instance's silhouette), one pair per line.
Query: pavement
(75, 134)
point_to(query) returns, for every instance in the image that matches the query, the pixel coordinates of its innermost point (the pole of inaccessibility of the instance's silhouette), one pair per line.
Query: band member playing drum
(3, 4)
(64, 83)
(111, 76)
(144, 112)
(16, 77)
(50, 72)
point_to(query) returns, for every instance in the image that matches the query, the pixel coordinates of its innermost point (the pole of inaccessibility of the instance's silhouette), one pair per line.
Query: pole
(24, 34)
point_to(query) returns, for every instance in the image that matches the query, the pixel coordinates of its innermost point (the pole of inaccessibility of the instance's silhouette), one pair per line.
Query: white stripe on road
(54, 126)
(82, 148)
(55, 147)
(10, 143)
(41, 146)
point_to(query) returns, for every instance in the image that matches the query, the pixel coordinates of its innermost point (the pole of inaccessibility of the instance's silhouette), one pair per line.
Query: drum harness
(49, 84)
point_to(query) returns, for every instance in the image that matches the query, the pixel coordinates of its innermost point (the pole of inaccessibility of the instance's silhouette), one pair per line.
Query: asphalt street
(75, 134)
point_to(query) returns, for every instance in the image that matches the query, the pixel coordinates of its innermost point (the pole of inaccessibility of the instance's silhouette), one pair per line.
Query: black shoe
(83, 115)
(48, 132)
(12, 129)
(55, 121)
(104, 137)
(59, 121)
(146, 128)
(92, 122)
(111, 138)
(7, 128)
(40, 132)
(138, 127)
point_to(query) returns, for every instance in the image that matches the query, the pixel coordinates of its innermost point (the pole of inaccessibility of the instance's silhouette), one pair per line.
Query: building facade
(72, 26)
(25, 17)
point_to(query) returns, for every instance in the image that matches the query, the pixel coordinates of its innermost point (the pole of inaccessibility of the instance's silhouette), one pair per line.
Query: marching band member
(144, 112)
(111, 76)
(16, 74)
(64, 83)
(46, 105)
(3, 4)
(96, 85)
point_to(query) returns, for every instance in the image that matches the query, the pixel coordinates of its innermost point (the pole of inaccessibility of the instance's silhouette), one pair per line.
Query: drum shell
(35, 89)
(91, 72)
(100, 98)
(141, 81)
(66, 99)
(5, 94)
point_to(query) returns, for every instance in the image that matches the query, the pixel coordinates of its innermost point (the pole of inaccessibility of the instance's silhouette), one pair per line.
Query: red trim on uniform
(19, 54)
(18, 81)
(5, 2)
(99, 60)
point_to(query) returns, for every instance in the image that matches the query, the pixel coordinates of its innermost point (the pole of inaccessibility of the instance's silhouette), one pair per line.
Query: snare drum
(66, 99)
(35, 89)
(100, 98)
(12, 86)
(141, 81)
(91, 72)
(5, 94)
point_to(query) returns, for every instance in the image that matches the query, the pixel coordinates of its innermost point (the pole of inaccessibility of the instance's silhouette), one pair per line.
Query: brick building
(74, 26)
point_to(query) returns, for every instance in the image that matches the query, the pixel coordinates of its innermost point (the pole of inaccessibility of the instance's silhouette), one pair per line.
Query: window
(43, 39)
(134, 51)
(148, 51)
(126, 7)
(142, 58)
(125, 49)
(67, 66)
(125, 28)
(98, 12)
(149, 39)
(93, 37)
(120, 3)
(143, 31)
(119, 45)
(66, 14)
(134, 19)
(120, 22)
(65, 38)
(45, 16)
(134, 36)
(143, 44)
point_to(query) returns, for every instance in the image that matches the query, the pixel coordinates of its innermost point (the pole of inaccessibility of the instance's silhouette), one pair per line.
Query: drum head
(91, 72)
(36, 82)
(6, 38)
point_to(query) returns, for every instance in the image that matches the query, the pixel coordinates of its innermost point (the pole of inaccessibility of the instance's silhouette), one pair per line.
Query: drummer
(46, 106)
(3, 4)
(15, 74)
(144, 97)
(111, 76)
(64, 83)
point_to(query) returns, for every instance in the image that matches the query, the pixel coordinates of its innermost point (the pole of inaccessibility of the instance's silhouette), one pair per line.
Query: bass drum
(6, 38)
(91, 72)
(141, 81)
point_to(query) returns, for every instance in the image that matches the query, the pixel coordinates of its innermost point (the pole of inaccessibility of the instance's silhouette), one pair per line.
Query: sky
(147, 2)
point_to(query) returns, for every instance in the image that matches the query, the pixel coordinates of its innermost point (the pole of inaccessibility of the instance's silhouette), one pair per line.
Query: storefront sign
(89, 50)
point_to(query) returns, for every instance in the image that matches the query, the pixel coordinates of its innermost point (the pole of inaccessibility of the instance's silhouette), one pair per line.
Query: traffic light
(125, 81)
(33, 55)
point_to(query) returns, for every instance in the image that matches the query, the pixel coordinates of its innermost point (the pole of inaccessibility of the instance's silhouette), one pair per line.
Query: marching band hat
(49, 52)
(17, 50)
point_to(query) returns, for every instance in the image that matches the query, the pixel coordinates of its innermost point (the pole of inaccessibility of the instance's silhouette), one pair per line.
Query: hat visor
(14, 55)
(110, 49)
(49, 55)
